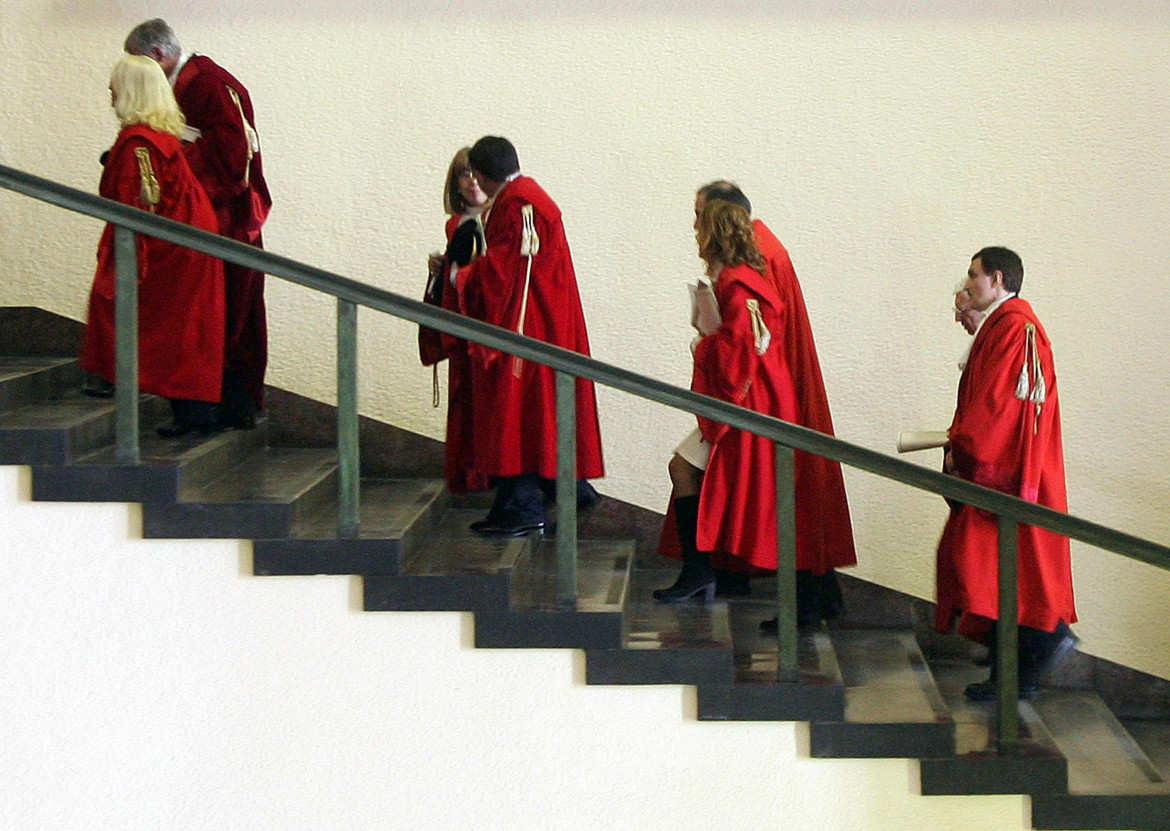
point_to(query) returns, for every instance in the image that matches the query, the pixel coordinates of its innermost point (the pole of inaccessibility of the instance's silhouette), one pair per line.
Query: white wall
(156, 684)
(884, 143)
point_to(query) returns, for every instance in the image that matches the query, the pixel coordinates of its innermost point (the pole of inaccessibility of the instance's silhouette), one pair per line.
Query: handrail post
(786, 616)
(566, 490)
(1007, 638)
(126, 345)
(348, 448)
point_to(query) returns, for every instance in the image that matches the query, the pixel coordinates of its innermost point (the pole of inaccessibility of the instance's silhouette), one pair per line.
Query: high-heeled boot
(696, 580)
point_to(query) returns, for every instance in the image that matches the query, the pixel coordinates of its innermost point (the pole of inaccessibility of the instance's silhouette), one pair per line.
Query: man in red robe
(824, 532)
(223, 150)
(524, 282)
(1006, 435)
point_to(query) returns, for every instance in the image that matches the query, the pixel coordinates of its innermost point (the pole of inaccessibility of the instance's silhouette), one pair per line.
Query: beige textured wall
(884, 143)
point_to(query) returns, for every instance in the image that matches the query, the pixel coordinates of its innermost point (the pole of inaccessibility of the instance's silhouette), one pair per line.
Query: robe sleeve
(122, 181)
(490, 288)
(993, 430)
(219, 157)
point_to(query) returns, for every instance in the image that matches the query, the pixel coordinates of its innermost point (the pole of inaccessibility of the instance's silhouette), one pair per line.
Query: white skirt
(695, 450)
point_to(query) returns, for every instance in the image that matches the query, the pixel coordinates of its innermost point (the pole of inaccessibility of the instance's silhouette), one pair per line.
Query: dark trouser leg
(587, 496)
(818, 597)
(696, 579)
(518, 507)
(188, 416)
(238, 406)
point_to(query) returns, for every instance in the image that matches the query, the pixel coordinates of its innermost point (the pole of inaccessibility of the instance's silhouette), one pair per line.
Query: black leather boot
(697, 578)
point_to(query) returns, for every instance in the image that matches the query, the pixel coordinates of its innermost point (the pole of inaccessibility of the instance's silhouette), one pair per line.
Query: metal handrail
(569, 363)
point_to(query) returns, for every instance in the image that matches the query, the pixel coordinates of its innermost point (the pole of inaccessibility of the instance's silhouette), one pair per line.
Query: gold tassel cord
(763, 338)
(1031, 385)
(151, 191)
(529, 246)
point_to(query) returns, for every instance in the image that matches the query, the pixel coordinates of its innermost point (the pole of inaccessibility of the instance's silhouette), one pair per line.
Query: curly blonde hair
(142, 95)
(726, 236)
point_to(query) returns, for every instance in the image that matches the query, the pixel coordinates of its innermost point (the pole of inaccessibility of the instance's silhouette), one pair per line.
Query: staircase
(874, 685)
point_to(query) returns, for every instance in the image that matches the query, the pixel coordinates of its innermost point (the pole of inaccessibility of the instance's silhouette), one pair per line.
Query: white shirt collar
(174, 76)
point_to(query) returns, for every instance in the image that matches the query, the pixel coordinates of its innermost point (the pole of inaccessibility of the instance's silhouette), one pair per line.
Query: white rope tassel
(760, 332)
(1031, 385)
(529, 247)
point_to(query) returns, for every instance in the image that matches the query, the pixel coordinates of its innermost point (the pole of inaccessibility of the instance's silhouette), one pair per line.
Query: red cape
(515, 425)
(180, 292)
(1001, 442)
(824, 532)
(239, 194)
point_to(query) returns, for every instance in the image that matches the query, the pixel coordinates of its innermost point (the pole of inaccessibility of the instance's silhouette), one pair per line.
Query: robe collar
(174, 76)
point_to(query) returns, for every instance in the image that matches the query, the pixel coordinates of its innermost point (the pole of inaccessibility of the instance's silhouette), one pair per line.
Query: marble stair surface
(867, 690)
(397, 516)
(535, 618)
(46, 420)
(892, 706)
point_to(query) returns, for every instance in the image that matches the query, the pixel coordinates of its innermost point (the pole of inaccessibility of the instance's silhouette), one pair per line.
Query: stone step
(755, 694)
(450, 570)
(261, 496)
(666, 643)
(30, 380)
(535, 619)
(977, 767)
(892, 706)
(59, 430)
(396, 516)
(166, 468)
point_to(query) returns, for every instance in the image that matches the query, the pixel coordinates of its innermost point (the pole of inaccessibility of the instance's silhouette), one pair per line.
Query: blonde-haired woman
(180, 292)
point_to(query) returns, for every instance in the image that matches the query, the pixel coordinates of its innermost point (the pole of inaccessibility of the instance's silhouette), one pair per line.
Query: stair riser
(992, 775)
(38, 386)
(548, 630)
(675, 666)
(772, 702)
(425, 593)
(850, 740)
(1052, 811)
(216, 521)
(365, 557)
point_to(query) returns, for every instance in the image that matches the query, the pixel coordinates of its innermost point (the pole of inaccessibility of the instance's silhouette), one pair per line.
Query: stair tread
(886, 678)
(603, 568)
(389, 507)
(277, 474)
(653, 625)
(18, 366)
(757, 654)
(70, 409)
(1102, 756)
(452, 549)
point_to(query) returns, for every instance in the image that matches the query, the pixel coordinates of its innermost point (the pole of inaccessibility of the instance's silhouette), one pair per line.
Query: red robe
(824, 532)
(462, 476)
(515, 416)
(239, 194)
(180, 291)
(1002, 442)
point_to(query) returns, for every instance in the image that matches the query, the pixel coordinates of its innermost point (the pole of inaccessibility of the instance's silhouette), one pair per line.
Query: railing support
(566, 490)
(1007, 655)
(126, 345)
(348, 450)
(786, 618)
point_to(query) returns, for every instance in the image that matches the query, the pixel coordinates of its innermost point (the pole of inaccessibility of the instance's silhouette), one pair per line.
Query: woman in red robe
(464, 203)
(180, 292)
(745, 361)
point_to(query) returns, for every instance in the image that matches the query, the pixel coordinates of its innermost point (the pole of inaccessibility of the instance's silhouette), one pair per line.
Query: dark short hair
(494, 157)
(725, 191)
(997, 258)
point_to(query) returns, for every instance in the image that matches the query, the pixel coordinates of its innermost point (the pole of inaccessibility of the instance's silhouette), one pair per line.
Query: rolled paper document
(921, 440)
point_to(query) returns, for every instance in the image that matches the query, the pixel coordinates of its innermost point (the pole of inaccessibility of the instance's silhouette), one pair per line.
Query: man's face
(983, 288)
(487, 185)
(964, 314)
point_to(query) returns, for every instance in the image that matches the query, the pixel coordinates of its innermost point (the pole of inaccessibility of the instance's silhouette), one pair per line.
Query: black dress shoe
(507, 529)
(688, 588)
(985, 691)
(174, 430)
